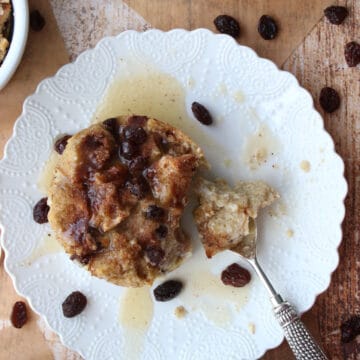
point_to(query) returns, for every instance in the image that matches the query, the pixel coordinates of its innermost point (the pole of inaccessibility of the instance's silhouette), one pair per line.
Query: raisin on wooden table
(352, 53)
(18, 316)
(267, 27)
(329, 99)
(336, 14)
(227, 25)
(350, 329)
(37, 21)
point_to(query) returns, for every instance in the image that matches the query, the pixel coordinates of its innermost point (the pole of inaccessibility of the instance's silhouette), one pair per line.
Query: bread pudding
(224, 215)
(5, 17)
(117, 196)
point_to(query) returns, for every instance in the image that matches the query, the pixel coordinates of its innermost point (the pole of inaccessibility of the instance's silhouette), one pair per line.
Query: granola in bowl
(5, 27)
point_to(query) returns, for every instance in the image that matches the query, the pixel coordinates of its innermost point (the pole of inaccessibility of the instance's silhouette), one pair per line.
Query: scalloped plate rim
(341, 210)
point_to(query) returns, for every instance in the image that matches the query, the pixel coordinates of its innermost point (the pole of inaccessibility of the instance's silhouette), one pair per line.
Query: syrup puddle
(259, 147)
(48, 245)
(47, 173)
(149, 92)
(204, 291)
(135, 314)
(155, 94)
(158, 95)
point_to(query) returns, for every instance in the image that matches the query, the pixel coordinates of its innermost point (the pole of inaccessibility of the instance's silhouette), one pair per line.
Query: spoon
(298, 337)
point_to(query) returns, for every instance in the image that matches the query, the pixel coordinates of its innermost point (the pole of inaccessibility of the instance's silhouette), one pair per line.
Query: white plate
(247, 95)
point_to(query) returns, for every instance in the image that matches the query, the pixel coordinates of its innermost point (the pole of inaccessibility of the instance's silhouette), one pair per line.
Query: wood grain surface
(44, 54)
(295, 19)
(318, 61)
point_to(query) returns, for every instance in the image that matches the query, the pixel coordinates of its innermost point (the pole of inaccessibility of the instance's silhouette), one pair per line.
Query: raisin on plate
(74, 304)
(19, 314)
(329, 99)
(267, 27)
(235, 275)
(336, 14)
(40, 211)
(227, 25)
(201, 113)
(168, 290)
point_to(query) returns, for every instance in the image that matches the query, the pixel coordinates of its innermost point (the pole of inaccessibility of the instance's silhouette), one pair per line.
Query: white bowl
(18, 41)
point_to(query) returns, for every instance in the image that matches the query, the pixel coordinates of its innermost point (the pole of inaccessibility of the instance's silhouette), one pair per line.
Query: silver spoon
(298, 337)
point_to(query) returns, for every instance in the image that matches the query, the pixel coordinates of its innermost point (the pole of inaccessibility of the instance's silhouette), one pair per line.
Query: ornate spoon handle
(298, 337)
(300, 340)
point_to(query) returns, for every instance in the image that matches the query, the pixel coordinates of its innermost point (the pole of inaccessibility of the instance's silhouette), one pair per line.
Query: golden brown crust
(117, 206)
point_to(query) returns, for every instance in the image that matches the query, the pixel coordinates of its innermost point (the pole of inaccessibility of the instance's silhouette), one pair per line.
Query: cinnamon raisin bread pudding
(117, 195)
(224, 215)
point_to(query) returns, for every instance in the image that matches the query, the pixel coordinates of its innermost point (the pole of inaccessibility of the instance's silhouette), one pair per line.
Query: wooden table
(308, 46)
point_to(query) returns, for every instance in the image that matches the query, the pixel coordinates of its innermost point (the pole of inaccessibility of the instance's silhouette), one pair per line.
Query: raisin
(97, 150)
(74, 304)
(352, 53)
(336, 14)
(329, 99)
(161, 142)
(134, 134)
(154, 212)
(18, 314)
(235, 275)
(112, 126)
(167, 290)
(81, 259)
(201, 113)
(227, 25)
(350, 329)
(40, 211)
(127, 150)
(94, 232)
(267, 27)
(78, 229)
(61, 143)
(155, 255)
(37, 21)
(161, 231)
(138, 187)
(137, 120)
(149, 173)
(138, 164)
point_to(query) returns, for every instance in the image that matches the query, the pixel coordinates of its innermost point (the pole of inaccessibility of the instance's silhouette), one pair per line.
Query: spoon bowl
(298, 337)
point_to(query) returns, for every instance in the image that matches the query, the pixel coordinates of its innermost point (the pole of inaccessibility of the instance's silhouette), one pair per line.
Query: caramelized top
(118, 195)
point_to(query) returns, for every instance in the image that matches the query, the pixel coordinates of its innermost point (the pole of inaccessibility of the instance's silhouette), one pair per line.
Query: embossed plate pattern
(244, 93)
